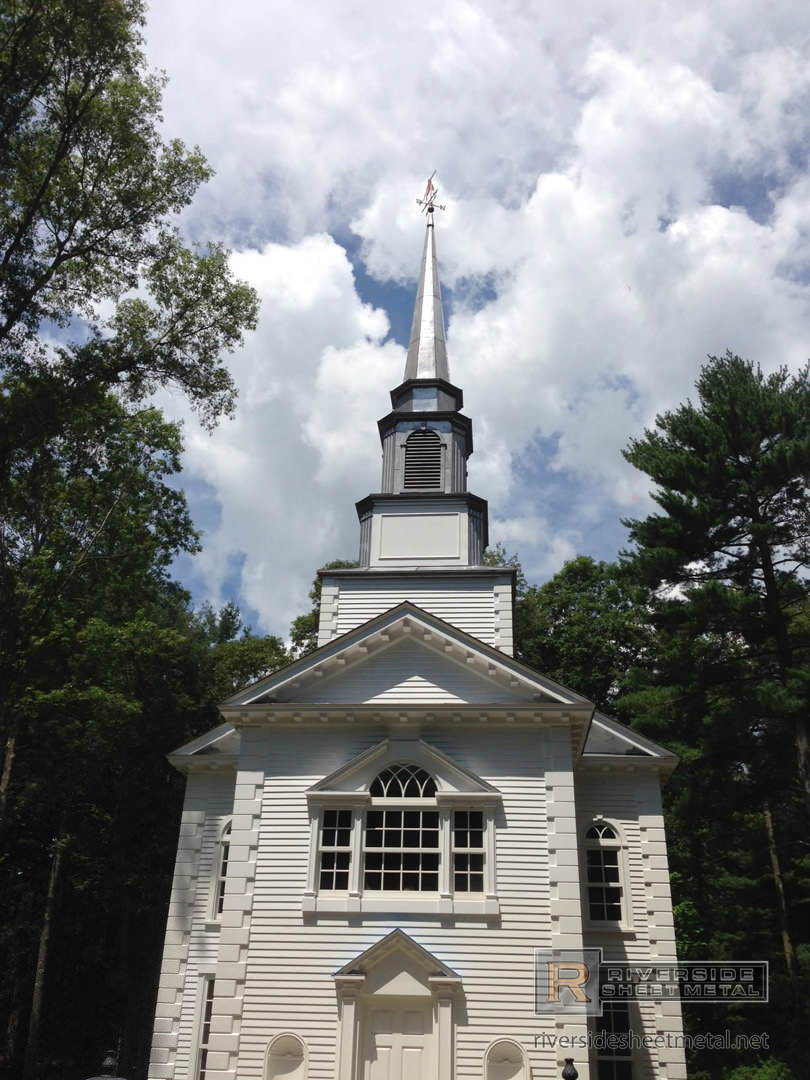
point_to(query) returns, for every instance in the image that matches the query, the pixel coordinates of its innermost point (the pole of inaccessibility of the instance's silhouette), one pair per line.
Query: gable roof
(507, 680)
(413, 955)
(464, 672)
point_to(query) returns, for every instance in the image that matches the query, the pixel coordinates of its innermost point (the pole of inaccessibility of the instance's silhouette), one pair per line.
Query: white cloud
(583, 150)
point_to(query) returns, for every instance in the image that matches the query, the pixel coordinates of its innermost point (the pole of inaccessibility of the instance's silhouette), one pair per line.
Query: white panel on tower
(420, 536)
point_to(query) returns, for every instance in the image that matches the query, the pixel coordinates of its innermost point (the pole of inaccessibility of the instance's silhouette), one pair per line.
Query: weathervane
(428, 200)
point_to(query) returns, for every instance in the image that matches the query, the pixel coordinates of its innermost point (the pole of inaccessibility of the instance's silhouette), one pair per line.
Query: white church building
(379, 837)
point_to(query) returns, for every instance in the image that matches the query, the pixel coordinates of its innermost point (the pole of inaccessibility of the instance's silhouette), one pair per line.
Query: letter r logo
(569, 974)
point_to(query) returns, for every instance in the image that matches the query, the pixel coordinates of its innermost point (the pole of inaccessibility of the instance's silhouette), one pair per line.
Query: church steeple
(423, 514)
(427, 349)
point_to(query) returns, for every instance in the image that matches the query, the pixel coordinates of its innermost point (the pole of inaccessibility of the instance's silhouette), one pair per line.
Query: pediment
(411, 657)
(398, 966)
(355, 777)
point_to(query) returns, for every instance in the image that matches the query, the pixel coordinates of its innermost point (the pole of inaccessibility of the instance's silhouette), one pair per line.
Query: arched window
(403, 782)
(603, 873)
(423, 461)
(222, 869)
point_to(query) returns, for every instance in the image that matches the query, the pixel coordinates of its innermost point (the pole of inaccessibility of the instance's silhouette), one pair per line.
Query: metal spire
(427, 350)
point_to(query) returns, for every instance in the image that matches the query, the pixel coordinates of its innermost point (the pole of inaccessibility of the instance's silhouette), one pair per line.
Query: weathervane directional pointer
(428, 200)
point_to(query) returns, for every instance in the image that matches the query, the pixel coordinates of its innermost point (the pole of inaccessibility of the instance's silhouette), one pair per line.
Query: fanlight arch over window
(423, 461)
(403, 782)
(601, 831)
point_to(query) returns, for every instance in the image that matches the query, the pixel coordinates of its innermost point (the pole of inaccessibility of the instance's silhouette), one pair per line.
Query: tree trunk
(784, 655)
(776, 868)
(35, 1019)
(8, 763)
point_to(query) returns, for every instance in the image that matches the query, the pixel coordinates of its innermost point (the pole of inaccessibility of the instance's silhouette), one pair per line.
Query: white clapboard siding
(289, 984)
(210, 795)
(469, 605)
(288, 980)
(408, 673)
(633, 802)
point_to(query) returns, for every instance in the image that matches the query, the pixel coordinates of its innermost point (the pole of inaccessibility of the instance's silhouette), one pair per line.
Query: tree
(724, 566)
(236, 655)
(304, 628)
(585, 628)
(103, 670)
(87, 538)
(89, 192)
(731, 548)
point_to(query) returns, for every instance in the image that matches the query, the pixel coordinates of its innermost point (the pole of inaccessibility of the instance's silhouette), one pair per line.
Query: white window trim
(611, 926)
(625, 1057)
(214, 916)
(456, 788)
(206, 979)
(444, 901)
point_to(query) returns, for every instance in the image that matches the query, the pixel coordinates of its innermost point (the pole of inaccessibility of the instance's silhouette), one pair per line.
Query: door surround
(395, 969)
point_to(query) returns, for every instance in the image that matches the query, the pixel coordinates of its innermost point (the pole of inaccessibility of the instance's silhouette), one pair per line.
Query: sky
(627, 192)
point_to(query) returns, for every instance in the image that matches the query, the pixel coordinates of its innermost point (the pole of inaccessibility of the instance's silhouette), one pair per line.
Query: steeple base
(422, 530)
(478, 600)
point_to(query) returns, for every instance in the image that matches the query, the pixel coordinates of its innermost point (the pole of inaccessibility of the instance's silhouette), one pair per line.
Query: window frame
(445, 899)
(602, 844)
(219, 871)
(206, 994)
(603, 1057)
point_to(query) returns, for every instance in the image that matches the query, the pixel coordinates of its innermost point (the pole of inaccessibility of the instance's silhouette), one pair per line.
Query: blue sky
(627, 192)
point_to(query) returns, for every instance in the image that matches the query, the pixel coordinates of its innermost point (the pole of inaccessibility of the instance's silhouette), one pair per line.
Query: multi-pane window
(404, 841)
(603, 877)
(205, 1027)
(613, 1042)
(335, 847)
(468, 851)
(402, 850)
(224, 852)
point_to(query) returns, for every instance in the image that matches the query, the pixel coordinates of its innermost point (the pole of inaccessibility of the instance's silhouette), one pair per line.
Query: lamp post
(569, 1072)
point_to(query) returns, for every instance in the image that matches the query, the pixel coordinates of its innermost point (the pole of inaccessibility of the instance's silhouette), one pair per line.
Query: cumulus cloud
(626, 192)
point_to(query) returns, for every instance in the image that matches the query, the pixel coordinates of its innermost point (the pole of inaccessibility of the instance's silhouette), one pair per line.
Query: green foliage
(496, 556)
(584, 628)
(236, 656)
(89, 191)
(304, 628)
(724, 565)
(765, 1070)
(102, 666)
(732, 475)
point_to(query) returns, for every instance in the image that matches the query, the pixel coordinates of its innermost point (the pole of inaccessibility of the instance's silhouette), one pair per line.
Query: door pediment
(397, 961)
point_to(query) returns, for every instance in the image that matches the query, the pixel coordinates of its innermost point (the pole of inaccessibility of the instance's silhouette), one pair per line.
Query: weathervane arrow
(428, 201)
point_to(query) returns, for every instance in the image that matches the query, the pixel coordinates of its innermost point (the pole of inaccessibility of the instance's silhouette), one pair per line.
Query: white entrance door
(399, 1041)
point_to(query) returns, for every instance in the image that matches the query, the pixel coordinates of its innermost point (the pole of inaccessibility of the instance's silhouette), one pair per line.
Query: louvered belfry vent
(423, 461)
